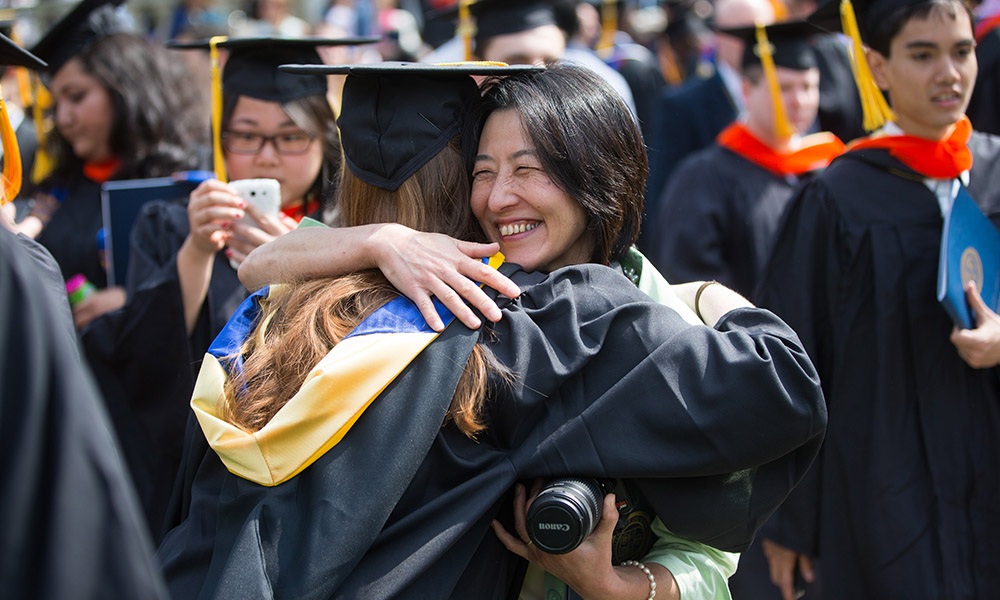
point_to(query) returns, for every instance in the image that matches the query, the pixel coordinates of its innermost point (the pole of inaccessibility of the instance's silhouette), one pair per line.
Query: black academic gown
(607, 383)
(717, 219)
(70, 526)
(686, 120)
(143, 358)
(905, 499)
(984, 106)
(71, 235)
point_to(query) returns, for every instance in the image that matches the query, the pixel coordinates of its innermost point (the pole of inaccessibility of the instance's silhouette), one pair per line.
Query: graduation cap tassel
(217, 158)
(466, 27)
(609, 20)
(873, 104)
(782, 128)
(43, 164)
(11, 156)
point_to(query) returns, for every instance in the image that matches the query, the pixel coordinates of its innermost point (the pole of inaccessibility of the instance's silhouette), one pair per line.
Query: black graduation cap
(13, 55)
(790, 44)
(500, 17)
(396, 116)
(252, 66)
(868, 13)
(87, 22)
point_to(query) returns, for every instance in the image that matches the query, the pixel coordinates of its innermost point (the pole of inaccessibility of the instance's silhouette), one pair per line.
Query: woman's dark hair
(159, 122)
(313, 115)
(882, 28)
(587, 141)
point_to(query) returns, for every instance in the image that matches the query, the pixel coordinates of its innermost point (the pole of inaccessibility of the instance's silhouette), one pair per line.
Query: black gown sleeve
(69, 521)
(608, 383)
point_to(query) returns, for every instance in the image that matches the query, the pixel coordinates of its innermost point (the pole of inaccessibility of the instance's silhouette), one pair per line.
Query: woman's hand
(212, 209)
(97, 304)
(783, 563)
(979, 347)
(587, 569)
(243, 237)
(421, 265)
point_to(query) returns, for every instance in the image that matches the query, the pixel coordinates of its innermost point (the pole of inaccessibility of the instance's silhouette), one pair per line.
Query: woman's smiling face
(538, 225)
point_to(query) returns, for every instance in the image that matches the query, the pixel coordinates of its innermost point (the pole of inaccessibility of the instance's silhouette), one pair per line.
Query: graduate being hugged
(901, 501)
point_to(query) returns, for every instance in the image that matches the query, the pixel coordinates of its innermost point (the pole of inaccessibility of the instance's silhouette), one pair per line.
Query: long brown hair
(302, 323)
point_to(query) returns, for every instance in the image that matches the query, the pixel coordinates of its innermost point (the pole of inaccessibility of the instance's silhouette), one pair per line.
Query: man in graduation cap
(70, 526)
(719, 213)
(903, 499)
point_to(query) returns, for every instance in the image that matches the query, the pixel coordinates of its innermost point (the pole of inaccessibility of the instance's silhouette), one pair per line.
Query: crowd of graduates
(477, 201)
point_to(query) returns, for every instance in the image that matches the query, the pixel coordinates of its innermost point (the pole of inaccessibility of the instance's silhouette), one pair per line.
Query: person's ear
(878, 64)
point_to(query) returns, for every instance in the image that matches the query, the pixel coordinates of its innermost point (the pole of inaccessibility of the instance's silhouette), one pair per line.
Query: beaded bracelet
(697, 299)
(649, 575)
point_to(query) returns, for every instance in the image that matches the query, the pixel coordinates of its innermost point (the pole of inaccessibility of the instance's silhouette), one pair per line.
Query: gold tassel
(466, 27)
(43, 164)
(609, 26)
(782, 128)
(873, 104)
(11, 156)
(218, 159)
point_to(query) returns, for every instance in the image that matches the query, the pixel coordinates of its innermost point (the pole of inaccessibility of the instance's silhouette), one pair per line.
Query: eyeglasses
(243, 142)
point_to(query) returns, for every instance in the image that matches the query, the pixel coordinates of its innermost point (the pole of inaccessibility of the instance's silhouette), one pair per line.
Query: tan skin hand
(421, 265)
(782, 562)
(97, 304)
(212, 208)
(244, 238)
(979, 347)
(588, 568)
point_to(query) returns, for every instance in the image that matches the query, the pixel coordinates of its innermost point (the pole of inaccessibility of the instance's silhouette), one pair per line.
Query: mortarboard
(483, 19)
(87, 22)
(252, 70)
(780, 44)
(397, 116)
(14, 55)
(842, 16)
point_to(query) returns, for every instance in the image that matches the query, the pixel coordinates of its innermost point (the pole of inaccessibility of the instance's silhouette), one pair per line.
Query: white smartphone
(264, 194)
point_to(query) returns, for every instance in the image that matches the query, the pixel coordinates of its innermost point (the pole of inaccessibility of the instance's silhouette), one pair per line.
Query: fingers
(979, 308)
(509, 541)
(520, 511)
(806, 568)
(274, 225)
(609, 517)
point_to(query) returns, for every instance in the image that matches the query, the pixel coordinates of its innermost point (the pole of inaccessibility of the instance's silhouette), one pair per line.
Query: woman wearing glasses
(182, 283)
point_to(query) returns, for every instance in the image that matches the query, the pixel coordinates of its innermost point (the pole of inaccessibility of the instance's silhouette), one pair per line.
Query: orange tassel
(11, 156)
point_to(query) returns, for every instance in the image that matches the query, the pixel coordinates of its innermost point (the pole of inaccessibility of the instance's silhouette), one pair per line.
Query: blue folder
(121, 202)
(970, 250)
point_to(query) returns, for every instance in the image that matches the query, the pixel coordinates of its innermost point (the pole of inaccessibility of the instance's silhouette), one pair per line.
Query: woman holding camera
(579, 360)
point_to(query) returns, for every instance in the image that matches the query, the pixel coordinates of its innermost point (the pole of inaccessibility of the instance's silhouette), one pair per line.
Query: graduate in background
(70, 526)
(688, 118)
(984, 107)
(122, 111)
(182, 286)
(719, 214)
(903, 500)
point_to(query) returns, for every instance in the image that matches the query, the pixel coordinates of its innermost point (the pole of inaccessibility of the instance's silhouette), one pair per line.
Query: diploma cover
(970, 251)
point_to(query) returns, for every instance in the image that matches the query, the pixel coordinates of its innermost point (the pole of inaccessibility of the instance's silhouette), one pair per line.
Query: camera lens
(564, 513)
